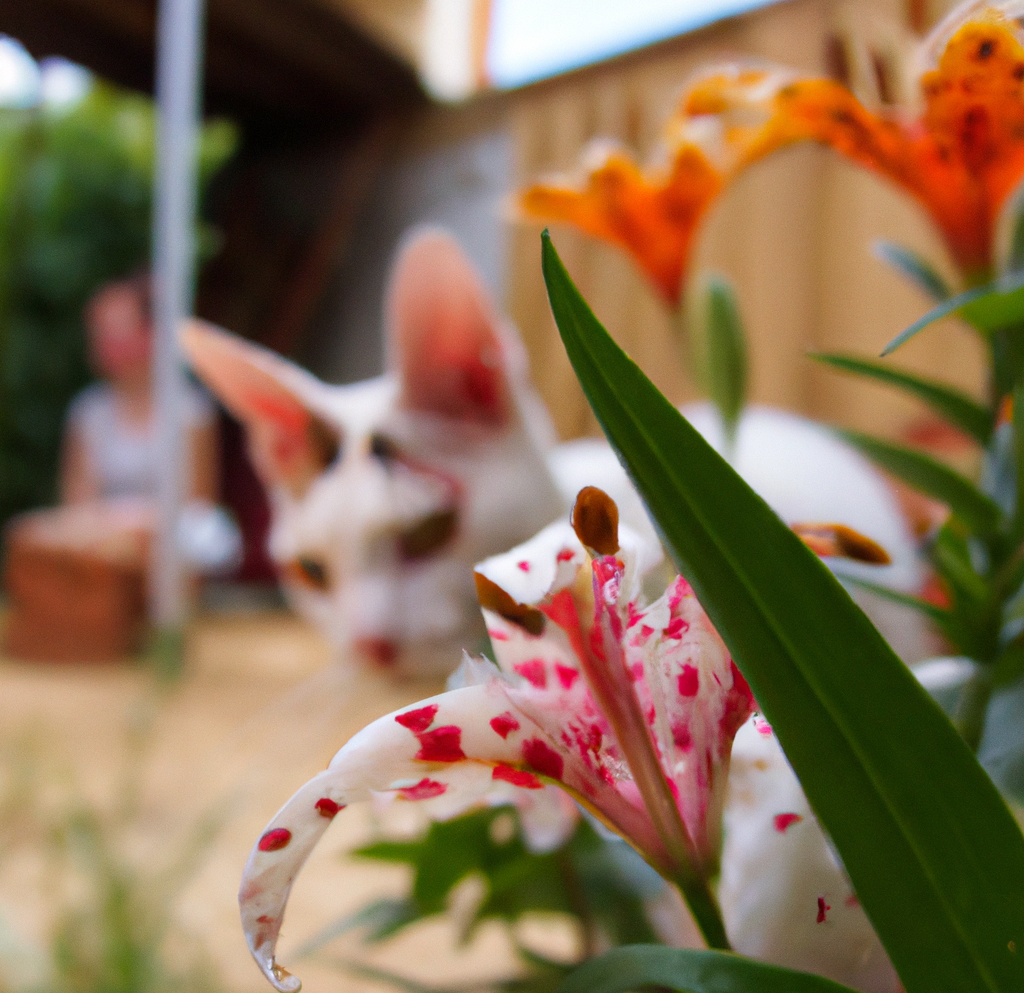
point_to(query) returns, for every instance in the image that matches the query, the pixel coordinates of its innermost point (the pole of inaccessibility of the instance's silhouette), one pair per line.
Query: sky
(533, 39)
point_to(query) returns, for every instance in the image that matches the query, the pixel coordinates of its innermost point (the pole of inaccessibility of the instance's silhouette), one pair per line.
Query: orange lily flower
(961, 157)
(652, 215)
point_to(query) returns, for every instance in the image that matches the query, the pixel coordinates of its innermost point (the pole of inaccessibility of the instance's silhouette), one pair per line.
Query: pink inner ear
(251, 383)
(444, 334)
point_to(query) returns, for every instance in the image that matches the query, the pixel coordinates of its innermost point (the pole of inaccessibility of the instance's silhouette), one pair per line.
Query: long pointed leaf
(948, 306)
(930, 476)
(952, 404)
(946, 620)
(936, 858)
(988, 308)
(726, 351)
(917, 269)
(636, 967)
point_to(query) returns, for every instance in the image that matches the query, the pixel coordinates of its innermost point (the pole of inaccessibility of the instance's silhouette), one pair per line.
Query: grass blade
(637, 967)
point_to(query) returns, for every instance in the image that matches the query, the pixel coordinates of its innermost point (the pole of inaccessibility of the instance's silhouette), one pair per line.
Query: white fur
(493, 459)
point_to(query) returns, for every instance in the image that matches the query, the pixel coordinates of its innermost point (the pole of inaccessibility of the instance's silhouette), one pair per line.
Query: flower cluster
(961, 157)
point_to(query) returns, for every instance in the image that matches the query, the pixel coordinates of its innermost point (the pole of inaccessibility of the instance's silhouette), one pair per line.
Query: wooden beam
(272, 63)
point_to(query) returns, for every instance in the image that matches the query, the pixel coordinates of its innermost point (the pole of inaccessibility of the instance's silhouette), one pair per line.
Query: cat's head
(386, 491)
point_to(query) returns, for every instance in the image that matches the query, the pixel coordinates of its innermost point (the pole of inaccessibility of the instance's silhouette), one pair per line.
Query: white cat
(386, 492)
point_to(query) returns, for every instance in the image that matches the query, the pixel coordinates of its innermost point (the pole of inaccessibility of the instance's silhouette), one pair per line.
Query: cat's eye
(309, 572)
(383, 448)
(429, 534)
(324, 442)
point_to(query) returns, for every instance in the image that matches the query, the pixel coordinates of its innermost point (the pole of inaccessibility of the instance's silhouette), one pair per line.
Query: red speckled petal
(447, 768)
(695, 699)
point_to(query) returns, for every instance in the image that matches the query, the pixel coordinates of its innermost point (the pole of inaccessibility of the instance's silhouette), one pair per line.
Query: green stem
(1007, 351)
(703, 906)
(580, 904)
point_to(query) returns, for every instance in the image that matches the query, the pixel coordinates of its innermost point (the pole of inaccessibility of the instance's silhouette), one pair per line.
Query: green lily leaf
(944, 619)
(930, 476)
(638, 966)
(1018, 452)
(1002, 307)
(935, 857)
(990, 307)
(1015, 255)
(948, 306)
(1009, 667)
(917, 269)
(725, 350)
(949, 403)
(950, 554)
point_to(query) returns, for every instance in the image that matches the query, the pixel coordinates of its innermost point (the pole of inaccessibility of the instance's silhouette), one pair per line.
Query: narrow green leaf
(935, 857)
(952, 404)
(917, 269)
(1017, 531)
(931, 477)
(636, 967)
(1009, 667)
(950, 554)
(381, 919)
(988, 308)
(1015, 255)
(1002, 306)
(726, 351)
(948, 306)
(937, 614)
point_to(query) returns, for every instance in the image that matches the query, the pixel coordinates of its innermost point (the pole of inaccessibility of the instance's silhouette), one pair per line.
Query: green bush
(75, 196)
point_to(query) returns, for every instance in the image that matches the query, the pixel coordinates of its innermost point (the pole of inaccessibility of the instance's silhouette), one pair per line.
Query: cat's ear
(289, 443)
(444, 336)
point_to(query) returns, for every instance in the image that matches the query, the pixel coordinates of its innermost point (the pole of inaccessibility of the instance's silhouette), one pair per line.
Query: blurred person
(110, 445)
(76, 574)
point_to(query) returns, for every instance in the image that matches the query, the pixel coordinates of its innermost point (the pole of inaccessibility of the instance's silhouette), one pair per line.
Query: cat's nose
(379, 651)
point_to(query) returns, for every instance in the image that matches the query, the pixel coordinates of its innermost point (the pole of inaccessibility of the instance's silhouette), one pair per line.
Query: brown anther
(595, 519)
(840, 541)
(493, 597)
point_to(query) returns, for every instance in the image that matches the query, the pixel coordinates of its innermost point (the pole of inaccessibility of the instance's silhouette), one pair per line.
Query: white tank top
(123, 456)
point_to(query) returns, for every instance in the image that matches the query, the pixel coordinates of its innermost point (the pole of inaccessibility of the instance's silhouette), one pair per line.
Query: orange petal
(961, 159)
(653, 218)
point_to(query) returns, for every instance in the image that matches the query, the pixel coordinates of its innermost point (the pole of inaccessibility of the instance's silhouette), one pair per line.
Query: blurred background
(330, 127)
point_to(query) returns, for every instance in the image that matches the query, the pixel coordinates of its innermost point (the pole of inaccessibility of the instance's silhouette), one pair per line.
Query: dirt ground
(260, 709)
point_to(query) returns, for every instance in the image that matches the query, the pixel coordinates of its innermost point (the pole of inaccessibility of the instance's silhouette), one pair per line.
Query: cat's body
(386, 492)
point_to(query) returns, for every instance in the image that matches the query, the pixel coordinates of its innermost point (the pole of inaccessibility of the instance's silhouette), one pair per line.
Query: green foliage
(114, 929)
(75, 199)
(950, 404)
(977, 555)
(917, 269)
(599, 883)
(722, 357)
(934, 855)
(625, 969)
(932, 477)
(113, 942)
(988, 308)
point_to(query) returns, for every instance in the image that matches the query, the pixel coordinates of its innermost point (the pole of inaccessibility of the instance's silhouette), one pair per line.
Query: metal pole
(178, 65)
